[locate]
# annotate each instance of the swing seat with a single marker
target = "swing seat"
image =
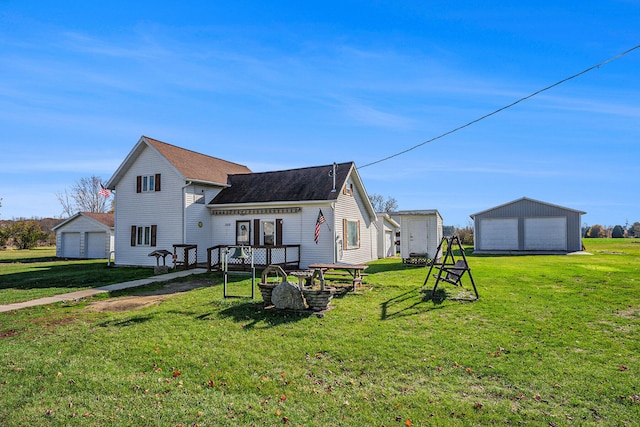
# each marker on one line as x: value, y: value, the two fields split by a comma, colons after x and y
x: 455, y: 272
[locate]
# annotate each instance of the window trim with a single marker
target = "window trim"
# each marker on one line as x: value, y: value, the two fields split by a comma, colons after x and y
x: 346, y: 234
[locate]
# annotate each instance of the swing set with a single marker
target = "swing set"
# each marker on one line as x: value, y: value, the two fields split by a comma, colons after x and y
x: 450, y: 270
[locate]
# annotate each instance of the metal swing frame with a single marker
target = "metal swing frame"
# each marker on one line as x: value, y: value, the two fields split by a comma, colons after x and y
x: 450, y: 270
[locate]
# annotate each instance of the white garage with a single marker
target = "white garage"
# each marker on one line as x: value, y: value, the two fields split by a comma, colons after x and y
x: 527, y: 226
x: 85, y: 235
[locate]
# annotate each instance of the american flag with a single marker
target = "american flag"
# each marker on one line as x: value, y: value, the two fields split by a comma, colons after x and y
x: 104, y: 191
x: 319, y: 222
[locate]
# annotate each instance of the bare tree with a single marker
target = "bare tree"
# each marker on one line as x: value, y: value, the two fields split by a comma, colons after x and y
x: 381, y: 205
x: 84, y: 196
x: 68, y: 207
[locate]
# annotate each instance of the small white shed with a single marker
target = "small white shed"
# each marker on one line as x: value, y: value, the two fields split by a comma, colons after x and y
x: 420, y: 234
x: 387, y: 229
x: 85, y: 235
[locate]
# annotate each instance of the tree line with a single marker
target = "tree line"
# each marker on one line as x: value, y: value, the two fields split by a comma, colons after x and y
x: 615, y: 232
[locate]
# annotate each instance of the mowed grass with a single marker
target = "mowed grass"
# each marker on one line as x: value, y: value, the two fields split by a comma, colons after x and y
x: 553, y: 340
x: 37, y: 273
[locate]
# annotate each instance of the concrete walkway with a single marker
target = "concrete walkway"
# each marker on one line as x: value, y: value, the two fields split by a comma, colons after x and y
x: 72, y: 296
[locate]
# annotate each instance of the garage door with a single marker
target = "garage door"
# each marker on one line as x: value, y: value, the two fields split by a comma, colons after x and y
x: 71, y: 245
x: 548, y: 234
x: 96, y: 244
x: 499, y: 234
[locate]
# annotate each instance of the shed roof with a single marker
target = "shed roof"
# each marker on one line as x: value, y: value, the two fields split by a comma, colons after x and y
x: 293, y: 185
x: 522, y: 199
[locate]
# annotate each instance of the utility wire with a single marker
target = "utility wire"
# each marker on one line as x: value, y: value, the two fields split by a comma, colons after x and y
x: 503, y: 108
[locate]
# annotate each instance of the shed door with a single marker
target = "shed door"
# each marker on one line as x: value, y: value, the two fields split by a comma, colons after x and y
x: 417, y: 237
x: 96, y: 245
x: 71, y: 245
x: 548, y: 234
x: 499, y: 234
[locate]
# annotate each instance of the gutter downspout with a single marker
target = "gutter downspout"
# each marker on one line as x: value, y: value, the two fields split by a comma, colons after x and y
x: 184, y: 212
x: 335, y: 235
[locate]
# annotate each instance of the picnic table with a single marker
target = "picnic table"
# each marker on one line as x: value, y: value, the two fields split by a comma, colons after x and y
x: 353, y: 271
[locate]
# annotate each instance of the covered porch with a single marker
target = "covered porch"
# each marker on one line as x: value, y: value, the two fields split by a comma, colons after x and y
x: 286, y: 256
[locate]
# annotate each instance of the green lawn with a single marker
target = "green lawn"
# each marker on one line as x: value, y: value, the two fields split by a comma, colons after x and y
x: 37, y: 273
x: 553, y: 341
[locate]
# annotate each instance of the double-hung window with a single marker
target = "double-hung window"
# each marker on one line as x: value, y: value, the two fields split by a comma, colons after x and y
x: 148, y: 183
x: 351, y: 230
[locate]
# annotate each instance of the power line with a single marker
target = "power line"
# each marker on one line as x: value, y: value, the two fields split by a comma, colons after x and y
x: 503, y: 108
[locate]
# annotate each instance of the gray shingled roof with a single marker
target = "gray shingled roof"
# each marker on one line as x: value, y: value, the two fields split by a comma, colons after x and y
x: 305, y: 184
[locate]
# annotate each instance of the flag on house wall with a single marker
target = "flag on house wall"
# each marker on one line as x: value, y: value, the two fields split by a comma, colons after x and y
x: 319, y: 222
x: 104, y: 191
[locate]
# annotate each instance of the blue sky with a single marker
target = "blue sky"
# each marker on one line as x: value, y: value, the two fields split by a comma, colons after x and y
x: 278, y: 85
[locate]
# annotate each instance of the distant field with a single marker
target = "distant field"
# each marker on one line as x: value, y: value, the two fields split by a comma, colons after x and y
x: 552, y: 341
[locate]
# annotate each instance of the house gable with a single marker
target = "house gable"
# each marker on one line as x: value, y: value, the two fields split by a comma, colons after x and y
x: 187, y: 164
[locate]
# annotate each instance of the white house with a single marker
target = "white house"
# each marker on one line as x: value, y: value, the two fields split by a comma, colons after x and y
x: 160, y: 193
x: 283, y: 207
x: 85, y: 235
x: 387, y: 229
x: 166, y: 196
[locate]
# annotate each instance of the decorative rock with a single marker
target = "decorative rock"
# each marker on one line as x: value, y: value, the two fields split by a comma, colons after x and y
x: 287, y: 295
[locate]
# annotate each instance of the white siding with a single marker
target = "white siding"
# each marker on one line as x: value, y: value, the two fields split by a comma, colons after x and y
x: 352, y: 208
x: 163, y: 208
x: 198, y: 223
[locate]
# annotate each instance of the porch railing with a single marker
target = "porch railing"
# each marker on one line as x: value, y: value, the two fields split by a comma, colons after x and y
x: 185, y: 256
x: 286, y: 256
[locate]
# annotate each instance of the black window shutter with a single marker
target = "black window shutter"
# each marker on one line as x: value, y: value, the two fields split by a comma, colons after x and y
x: 278, y: 231
x: 157, y: 182
x: 138, y: 184
x: 133, y: 235
x: 256, y: 232
x: 154, y: 232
